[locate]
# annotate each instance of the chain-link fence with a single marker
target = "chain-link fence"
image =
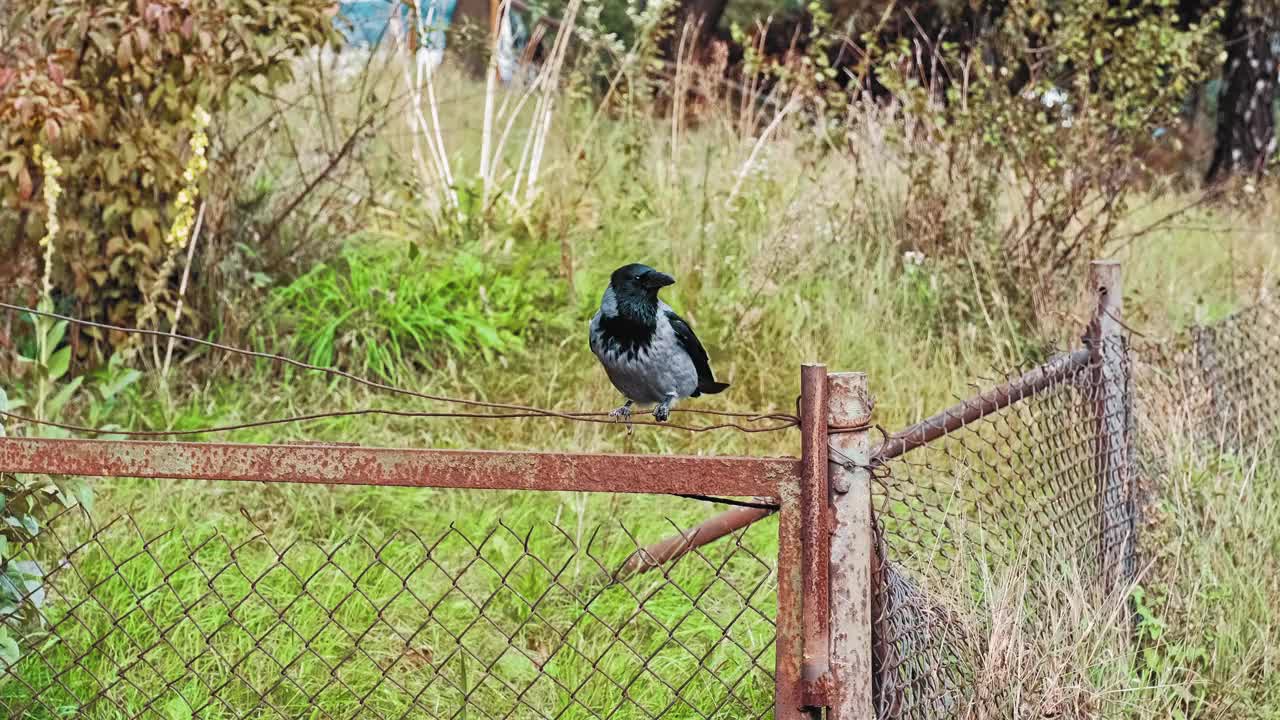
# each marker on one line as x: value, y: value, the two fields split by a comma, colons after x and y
x: 1227, y: 378
x: 1040, y: 486
x: 119, y: 613
x: 498, y: 621
x: 1043, y: 478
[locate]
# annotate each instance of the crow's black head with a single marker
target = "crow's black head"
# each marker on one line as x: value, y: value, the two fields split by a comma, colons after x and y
x: 638, y: 281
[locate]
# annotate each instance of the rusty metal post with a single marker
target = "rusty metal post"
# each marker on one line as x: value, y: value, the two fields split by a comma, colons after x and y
x: 803, y: 562
x: 1107, y: 344
x: 815, y: 510
x: 789, y: 699
x: 849, y: 415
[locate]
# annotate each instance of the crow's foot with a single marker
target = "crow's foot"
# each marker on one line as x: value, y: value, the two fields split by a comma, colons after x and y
x: 662, y: 412
x: 623, y: 414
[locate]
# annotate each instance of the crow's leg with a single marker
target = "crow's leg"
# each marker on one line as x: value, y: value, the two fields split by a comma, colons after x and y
x: 622, y: 414
x: 663, y: 411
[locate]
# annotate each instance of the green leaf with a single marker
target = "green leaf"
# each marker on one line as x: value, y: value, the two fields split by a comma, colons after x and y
x: 488, y: 337
x: 56, y: 333
x: 84, y: 495
x: 9, y: 653
x: 59, y: 363
x: 115, y: 378
x: 56, y: 403
x: 177, y: 709
x: 143, y: 220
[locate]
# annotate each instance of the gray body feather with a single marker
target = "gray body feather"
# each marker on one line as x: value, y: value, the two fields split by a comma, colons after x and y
x: 661, y: 371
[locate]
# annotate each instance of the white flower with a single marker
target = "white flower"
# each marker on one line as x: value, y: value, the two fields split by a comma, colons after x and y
x: 913, y: 258
x: 1054, y: 96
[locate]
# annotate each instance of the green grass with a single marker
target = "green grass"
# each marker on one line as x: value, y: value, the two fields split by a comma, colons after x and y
x: 379, y: 310
x: 1213, y: 588
x: 803, y: 265
x: 390, y: 595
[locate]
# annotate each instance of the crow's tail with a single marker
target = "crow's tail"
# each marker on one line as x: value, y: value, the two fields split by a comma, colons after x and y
x: 713, y: 387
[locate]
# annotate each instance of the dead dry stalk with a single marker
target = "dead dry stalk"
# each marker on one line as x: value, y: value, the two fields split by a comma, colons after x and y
x: 182, y: 291
x: 417, y: 72
x: 548, y: 83
x: 760, y: 142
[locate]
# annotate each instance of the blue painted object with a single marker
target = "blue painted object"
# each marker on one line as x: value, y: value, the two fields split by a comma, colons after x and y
x: 364, y: 22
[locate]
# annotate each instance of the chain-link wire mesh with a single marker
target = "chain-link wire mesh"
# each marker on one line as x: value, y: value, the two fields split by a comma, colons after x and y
x: 1049, y: 487
x: 1219, y: 382
x: 253, y: 621
x: 1042, y: 486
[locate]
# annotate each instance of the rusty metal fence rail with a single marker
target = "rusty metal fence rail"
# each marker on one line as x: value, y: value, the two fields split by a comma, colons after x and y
x: 862, y: 595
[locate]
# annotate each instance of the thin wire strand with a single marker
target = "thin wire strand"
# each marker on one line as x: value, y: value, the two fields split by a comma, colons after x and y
x: 513, y: 410
x: 354, y: 413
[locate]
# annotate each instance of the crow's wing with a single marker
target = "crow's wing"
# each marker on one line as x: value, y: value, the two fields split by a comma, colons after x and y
x: 689, y: 342
x: 593, y: 334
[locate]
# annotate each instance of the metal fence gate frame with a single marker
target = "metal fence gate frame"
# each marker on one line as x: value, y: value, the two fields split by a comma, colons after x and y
x: 815, y: 668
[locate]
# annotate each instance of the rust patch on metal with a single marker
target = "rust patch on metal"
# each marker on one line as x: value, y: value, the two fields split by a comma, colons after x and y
x: 790, y: 701
x: 345, y: 465
x: 849, y: 694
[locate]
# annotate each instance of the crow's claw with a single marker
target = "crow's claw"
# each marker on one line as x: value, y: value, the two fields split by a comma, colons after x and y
x: 662, y: 412
x: 623, y: 414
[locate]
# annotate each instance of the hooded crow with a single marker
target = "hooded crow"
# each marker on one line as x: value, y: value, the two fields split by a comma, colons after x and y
x: 649, y: 352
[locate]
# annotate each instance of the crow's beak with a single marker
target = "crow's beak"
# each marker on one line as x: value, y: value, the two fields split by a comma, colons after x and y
x: 655, y: 280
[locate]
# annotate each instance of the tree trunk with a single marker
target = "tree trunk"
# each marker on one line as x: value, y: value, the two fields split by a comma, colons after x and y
x: 1246, y: 104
